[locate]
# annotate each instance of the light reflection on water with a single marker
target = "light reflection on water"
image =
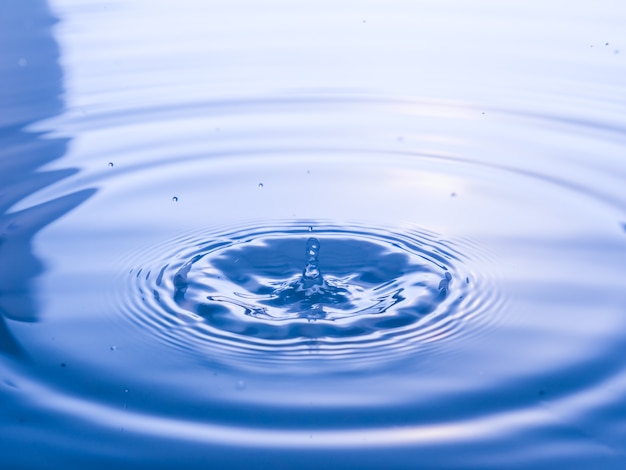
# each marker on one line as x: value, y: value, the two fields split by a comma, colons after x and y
x: 163, y: 168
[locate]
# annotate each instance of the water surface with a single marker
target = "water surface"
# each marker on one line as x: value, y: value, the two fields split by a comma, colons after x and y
x: 312, y: 235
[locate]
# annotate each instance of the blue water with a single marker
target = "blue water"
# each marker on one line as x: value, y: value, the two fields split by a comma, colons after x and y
x: 312, y: 234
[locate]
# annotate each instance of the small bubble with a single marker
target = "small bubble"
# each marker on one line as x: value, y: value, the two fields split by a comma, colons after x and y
x: 125, y: 390
x: 260, y: 185
x: 113, y: 348
x: 240, y: 385
x: 110, y: 164
x: 310, y: 228
x: 175, y: 199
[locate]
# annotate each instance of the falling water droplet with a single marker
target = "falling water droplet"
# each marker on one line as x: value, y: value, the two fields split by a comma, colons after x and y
x: 310, y: 228
x: 175, y: 199
x: 311, y: 273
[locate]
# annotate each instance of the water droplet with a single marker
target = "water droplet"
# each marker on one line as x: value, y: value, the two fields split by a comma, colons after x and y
x: 310, y: 228
x: 260, y: 185
x: 110, y: 164
x: 606, y: 43
x: 175, y: 199
x: 452, y: 194
x: 113, y: 348
x: 311, y: 273
x: 240, y: 385
x: 125, y: 390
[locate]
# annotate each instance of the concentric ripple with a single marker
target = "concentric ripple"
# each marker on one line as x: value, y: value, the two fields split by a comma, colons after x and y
x: 276, y: 295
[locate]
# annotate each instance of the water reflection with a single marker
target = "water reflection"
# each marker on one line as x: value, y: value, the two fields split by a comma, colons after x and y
x: 30, y: 90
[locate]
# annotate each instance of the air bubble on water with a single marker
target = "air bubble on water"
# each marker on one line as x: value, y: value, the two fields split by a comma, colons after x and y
x: 175, y: 199
x: 110, y: 164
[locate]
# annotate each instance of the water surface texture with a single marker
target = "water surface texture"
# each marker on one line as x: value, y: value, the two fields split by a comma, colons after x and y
x: 312, y: 234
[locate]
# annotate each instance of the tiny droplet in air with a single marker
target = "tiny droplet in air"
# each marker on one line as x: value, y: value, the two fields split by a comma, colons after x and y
x: 175, y: 199
x: 260, y: 185
x: 310, y: 228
